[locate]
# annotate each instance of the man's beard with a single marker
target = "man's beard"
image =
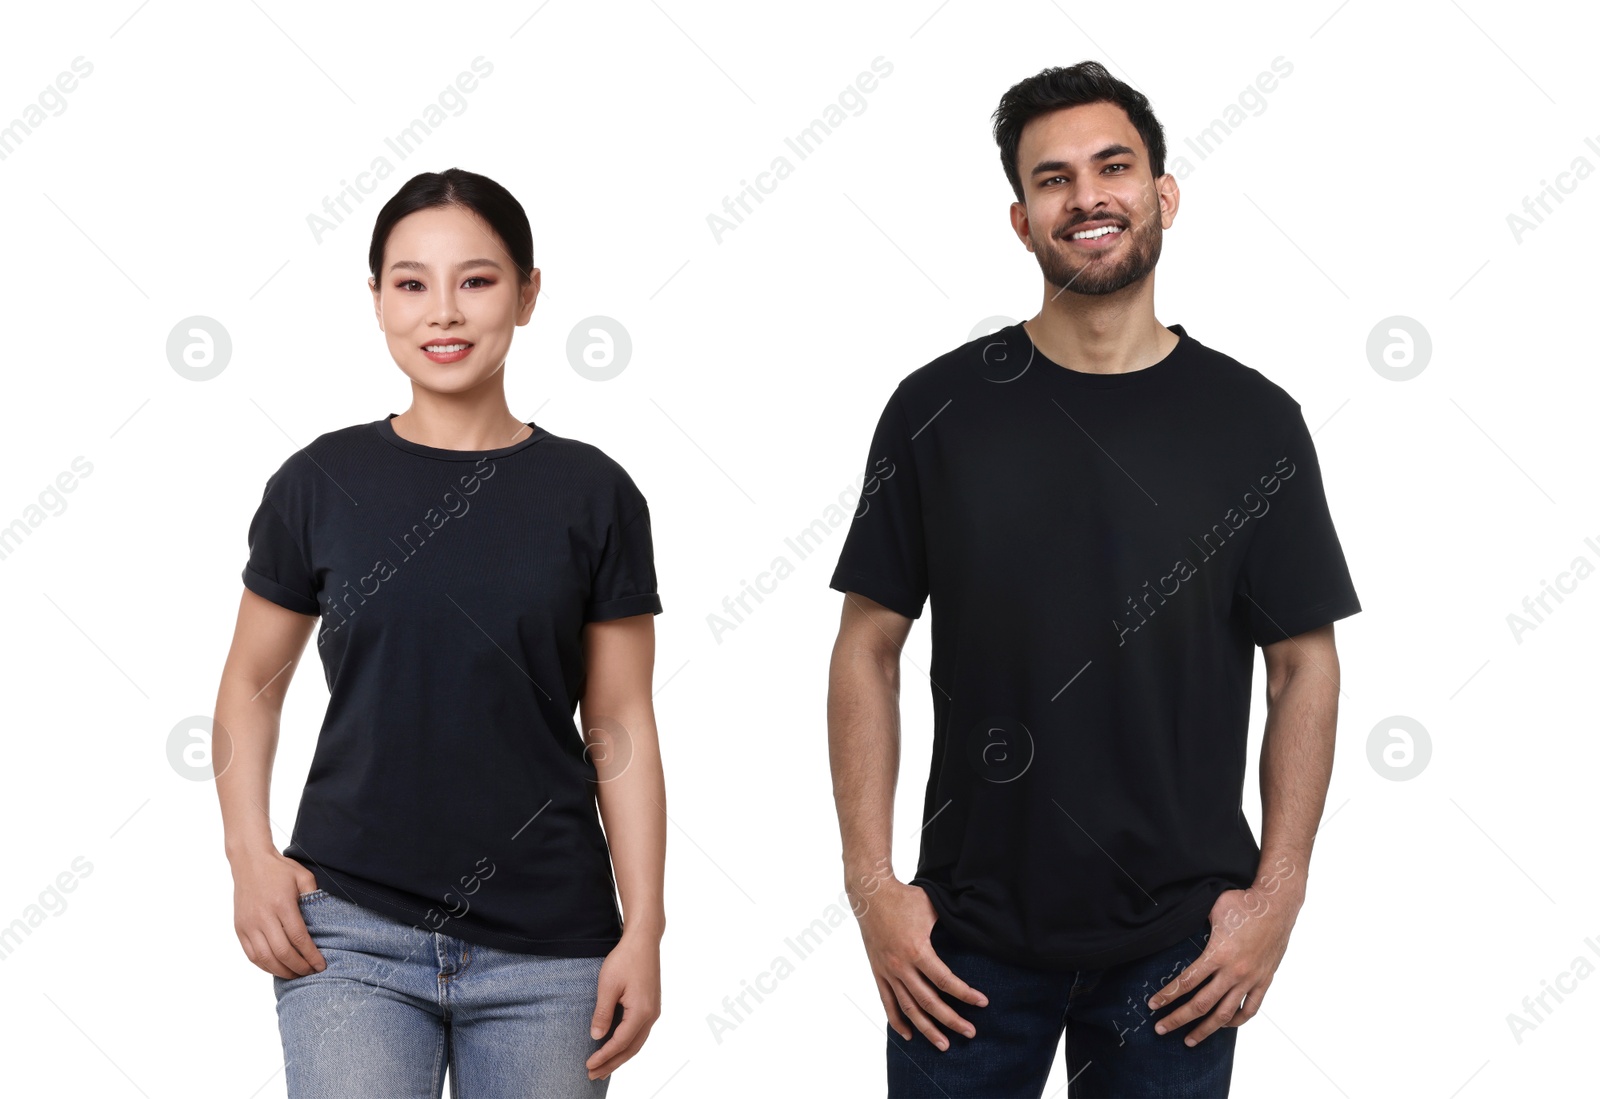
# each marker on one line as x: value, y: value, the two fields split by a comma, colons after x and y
x: 1095, y: 274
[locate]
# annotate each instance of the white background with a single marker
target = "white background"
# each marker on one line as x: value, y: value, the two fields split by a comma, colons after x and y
x: 1376, y: 182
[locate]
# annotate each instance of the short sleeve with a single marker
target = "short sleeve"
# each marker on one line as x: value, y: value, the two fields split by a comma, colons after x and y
x: 624, y: 582
x: 884, y: 556
x: 277, y: 568
x: 1294, y: 577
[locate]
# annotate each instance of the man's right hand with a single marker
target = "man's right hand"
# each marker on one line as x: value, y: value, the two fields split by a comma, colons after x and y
x: 895, y: 929
x: 266, y: 915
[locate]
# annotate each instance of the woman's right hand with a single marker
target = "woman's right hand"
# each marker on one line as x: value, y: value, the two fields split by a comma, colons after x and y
x: 266, y: 915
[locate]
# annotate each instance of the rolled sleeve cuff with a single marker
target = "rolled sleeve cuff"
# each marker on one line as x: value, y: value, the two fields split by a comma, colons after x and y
x: 644, y: 603
x: 275, y: 592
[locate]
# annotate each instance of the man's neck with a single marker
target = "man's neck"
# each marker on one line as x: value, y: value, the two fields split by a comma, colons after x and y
x: 1098, y: 341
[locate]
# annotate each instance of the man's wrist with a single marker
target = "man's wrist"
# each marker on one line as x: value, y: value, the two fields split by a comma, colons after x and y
x: 864, y: 877
x: 1282, y: 876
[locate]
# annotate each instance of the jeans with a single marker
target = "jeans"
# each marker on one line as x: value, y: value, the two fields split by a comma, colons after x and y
x: 397, y: 1004
x: 1112, y: 1047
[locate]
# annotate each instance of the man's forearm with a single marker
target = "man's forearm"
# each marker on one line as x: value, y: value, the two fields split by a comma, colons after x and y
x: 864, y: 756
x: 1296, y: 763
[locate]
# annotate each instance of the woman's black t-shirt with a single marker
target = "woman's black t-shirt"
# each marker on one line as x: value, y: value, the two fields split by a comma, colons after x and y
x: 450, y: 787
x: 1102, y: 553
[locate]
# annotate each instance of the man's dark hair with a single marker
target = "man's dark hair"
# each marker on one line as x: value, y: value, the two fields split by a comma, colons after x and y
x: 1055, y: 88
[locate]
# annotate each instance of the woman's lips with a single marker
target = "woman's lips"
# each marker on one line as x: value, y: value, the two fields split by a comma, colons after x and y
x: 438, y: 356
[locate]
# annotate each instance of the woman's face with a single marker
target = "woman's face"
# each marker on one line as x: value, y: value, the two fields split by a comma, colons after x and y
x: 447, y: 281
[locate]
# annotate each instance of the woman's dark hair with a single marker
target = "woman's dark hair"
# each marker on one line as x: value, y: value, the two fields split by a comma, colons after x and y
x: 1055, y: 88
x: 458, y: 187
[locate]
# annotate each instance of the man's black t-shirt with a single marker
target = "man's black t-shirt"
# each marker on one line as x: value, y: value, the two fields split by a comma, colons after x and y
x: 450, y: 786
x: 1102, y: 552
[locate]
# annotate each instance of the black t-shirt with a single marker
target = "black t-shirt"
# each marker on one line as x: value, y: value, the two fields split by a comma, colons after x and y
x: 450, y: 787
x: 1101, y: 553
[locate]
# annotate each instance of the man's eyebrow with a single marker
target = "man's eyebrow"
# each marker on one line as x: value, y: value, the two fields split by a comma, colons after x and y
x: 1104, y: 154
x: 413, y: 265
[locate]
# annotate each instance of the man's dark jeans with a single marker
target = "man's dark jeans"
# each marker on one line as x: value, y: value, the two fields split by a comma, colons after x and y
x: 1112, y: 1047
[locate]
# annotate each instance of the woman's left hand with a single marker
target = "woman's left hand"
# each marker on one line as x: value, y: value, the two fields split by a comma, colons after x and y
x: 630, y: 978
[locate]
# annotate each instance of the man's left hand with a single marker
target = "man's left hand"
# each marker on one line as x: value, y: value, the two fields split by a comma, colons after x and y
x: 1249, y: 934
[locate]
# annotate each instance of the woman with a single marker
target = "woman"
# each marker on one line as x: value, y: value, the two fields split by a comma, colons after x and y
x: 447, y: 898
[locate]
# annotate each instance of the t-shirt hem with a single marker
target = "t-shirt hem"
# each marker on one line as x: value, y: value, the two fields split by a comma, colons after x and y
x: 1190, y: 915
x: 361, y: 892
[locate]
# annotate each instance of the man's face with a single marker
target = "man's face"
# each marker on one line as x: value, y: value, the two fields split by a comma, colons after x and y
x: 1083, y: 168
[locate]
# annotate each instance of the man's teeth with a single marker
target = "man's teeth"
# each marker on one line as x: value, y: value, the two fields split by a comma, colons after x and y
x: 1090, y: 234
x: 446, y: 348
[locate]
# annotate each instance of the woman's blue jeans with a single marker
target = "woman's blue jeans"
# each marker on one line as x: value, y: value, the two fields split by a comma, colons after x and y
x: 1112, y: 1047
x: 398, y: 1004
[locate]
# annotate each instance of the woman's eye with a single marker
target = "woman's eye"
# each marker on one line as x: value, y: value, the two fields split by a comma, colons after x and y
x: 480, y: 278
x: 408, y: 284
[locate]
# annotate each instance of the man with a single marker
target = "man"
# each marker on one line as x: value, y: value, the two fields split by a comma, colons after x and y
x: 1107, y: 516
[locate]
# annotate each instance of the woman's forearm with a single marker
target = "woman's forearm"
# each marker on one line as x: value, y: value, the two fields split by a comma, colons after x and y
x: 633, y: 807
x: 244, y: 742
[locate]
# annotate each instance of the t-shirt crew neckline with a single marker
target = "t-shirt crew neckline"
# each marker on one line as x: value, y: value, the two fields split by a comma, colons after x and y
x: 1172, y: 363
x: 387, y: 432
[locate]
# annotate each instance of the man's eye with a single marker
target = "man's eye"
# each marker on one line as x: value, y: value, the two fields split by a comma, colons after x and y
x: 1111, y: 166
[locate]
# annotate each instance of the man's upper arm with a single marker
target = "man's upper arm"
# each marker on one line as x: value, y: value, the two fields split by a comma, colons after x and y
x: 884, y: 558
x: 1312, y: 652
x: 867, y: 625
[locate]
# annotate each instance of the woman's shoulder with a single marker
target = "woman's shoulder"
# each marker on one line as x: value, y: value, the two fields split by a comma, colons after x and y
x: 323, y: 451
x: 587, y: 463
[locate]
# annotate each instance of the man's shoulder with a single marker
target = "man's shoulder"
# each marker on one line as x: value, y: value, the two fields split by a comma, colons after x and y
x: 1223, y: 372
x: 988, y: 357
